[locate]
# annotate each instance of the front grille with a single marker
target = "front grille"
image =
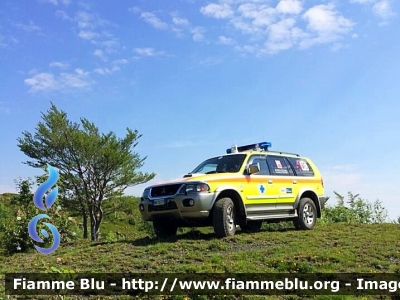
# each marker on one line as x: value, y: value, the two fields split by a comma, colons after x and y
x: 165, y: 190
x: 168, y: 206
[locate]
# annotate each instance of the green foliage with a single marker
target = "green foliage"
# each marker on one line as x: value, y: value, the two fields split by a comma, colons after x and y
x: 358, y: 211
x: 4, y: 216
x: 16, y: 237
x: 15, y: 233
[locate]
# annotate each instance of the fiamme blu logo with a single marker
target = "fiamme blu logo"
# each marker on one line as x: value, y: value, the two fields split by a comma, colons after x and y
x: 44, y: 205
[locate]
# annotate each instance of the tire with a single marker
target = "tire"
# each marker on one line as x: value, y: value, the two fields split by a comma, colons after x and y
x: 251, y: 226
x: 307, y: 215
x: 164, y: 228
x: 224, y: 218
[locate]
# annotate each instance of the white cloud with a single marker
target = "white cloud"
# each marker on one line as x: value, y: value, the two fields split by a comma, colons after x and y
x: 154, y: 21
x: 289, y: 7
x: 107, y: 71
x: 198, y: 34
x: 253, y: 18
x: 63, y: 15
x: 180, y: 26
x: 363, y: 1
x: 110, y: 45
x: 180, y: 21
x: 148, y: 52
x: 56, y: 2
x: 324, y: 19
x: 135, y: 9
x: 42, y: 82
x: 86, y: 20
x: 325, y: 25
x: 381, y: 8
x: 49, y: 82
x: 114, y: 67
x: 58, y: 64
x: 209, y: 61
x: 30, y: 27
x: 219, y: 11
x: 89, y: 26
x: 225, y: 40
x: 271, y: 29
x: 122, y: 61
x: 283, y: 35
x: 88, y: 35
x: 100, y: 54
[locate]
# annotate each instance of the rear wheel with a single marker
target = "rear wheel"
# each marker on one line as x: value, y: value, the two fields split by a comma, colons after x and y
x: 224, y: 218
x: 164, y: 228
x: 252, y: 226
x: 307, y: 215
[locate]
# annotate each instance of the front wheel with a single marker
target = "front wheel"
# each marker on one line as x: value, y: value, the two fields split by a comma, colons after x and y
x: 164, y: 229
x: 224, y: 218
x: 307, y: 215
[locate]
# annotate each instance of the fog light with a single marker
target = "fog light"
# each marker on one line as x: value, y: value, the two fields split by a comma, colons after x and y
x: 188, y: 202
x: 141, y: 207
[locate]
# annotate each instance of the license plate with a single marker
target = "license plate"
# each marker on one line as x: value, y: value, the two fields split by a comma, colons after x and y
x: 159, y: 202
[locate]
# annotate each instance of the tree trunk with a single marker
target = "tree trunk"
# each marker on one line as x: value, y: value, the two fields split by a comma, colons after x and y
x: 96, y: 216
x: 85, y: 224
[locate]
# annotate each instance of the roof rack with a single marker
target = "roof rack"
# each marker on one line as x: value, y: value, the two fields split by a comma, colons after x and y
x: 281, y: 152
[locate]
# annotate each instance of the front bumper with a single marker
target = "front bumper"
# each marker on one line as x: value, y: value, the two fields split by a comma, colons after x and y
x: 177, y: 207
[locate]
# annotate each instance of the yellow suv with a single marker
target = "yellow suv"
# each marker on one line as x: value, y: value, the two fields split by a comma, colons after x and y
x: 245, y: 186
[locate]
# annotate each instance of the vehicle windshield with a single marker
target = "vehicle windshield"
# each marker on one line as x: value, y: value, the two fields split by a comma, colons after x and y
x: 221, y: 164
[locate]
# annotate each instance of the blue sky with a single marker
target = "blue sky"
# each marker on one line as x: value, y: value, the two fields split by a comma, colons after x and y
x: 315, y: 77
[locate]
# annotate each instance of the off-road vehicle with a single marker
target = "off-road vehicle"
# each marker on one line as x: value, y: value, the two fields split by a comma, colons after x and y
x: 246, y: 186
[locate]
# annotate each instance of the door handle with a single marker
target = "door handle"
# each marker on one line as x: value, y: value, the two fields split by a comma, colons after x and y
x: 270, y: 181
x: 294, y: 181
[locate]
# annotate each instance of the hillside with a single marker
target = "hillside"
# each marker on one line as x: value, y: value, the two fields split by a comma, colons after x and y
x: 327, y: 248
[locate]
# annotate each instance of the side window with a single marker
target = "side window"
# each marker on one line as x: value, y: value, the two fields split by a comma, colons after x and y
x: 262, y: 162
x: 301, y: 166
x: 279, y: 166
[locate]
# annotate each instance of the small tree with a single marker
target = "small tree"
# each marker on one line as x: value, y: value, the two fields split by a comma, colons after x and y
x: 93, y: 167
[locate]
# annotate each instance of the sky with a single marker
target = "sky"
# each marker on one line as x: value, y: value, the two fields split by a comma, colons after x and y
x: 314, y: 77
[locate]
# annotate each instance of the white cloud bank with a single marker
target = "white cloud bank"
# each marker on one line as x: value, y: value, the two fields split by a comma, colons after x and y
x: 288, y: 24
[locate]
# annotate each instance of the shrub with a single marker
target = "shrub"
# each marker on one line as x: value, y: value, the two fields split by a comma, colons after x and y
x: 358, y: 211
x: 16, y: 237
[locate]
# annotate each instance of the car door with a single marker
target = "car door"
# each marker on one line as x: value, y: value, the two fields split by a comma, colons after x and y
x: 261, y: 193
x: 284, y: 181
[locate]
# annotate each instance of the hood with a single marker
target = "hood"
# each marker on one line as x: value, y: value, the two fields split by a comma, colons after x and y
x: 196, y: 177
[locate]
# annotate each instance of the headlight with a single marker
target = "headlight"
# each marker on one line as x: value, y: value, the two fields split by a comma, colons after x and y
x: 146, y: 193
x: 196, y: 188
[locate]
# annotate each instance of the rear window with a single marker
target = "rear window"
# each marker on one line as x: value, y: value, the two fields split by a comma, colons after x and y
x: 279, y: 166
x: 301, y: 166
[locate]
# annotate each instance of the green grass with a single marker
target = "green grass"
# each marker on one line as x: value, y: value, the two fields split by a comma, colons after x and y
x: 327, y: 248
x: 125, y: 247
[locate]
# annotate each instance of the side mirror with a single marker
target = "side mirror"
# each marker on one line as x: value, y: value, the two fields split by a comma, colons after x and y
x: 253, y: 168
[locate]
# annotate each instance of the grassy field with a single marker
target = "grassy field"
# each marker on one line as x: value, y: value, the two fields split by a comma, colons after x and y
x: 127, y: 247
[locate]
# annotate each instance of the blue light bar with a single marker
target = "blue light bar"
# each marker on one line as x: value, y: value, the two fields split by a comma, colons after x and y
x: 259, y: 146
